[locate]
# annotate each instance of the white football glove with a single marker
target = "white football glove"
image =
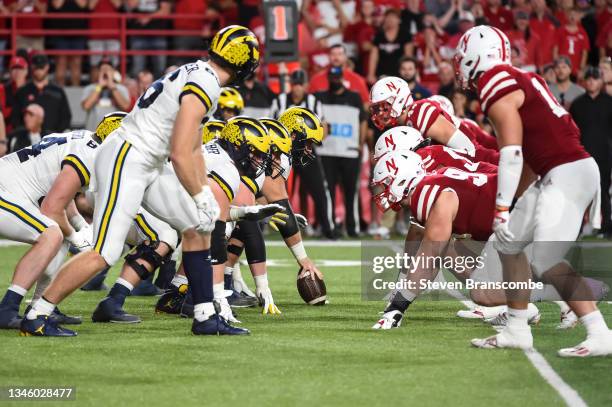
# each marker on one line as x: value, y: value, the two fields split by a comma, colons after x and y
x: 208, y: 209
x: 225, y: 311
x: 267, y: 302
x: 500, y: 226
x: 254, y: 212
x: 82, y: 240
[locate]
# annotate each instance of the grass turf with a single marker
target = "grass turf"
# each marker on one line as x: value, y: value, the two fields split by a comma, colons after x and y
x: 307, y: 356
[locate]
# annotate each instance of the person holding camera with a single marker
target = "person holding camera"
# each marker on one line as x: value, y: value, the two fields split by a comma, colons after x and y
x: 104, y: 96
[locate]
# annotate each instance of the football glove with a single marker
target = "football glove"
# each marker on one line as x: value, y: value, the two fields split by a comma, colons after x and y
x: 267, y: 302
x: 280, y: 218
x: 82, y: 240
x: 254, y: 212
x: 208, y: 209
x: 225, y: 311
x: 500, y: 225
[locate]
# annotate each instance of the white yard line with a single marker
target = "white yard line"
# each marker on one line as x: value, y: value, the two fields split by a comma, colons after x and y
x: 567, y: 393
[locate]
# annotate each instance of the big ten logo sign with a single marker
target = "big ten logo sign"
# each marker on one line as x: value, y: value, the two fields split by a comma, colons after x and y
x: 343, y: 130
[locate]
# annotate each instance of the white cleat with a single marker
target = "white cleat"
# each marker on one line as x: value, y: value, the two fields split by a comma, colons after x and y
x: 595, y: 345
x: 507, y: 338
x: 389, y: 320
x: 499, y: 322
x: 568, y: 320
x: 480, y: 312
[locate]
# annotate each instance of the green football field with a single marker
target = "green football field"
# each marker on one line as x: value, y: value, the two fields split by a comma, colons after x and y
x: 308, y: 356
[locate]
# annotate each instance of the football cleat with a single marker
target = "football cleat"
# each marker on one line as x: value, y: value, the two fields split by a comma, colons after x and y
x: 480, y: 312
x: 9, y: 318
x: 241, y: 300
x: 43, y: 326
x: 499, y: 322
x: 109, y: 311
x: 507, y: 338
x: 187, y: 307
x: 171, y: 301
x: 389, y: 320
x: 146, y: 288
x: 568, y: 320
x: 594, y: 345
x: 97, y: 282
x: 216, y: 325
x: 62, y: 319
x: 225, y: 311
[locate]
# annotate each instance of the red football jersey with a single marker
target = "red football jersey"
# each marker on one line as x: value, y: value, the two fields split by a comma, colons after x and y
x: 476, y: 193
x: 477, y: 134
x: 422, y: 114
x: 437, y: 156
x: 550, y: 136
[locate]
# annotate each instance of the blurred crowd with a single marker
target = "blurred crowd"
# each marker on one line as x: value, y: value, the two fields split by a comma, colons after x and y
x: 344, y: 47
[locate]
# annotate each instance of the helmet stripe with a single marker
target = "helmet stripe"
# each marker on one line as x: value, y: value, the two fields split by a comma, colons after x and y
x: 222, y: 40
x: 503, y: 44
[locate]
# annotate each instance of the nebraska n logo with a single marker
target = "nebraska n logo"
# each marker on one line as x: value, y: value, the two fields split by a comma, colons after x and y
x: 391, y: 167
x: 392, y: 86
x: 464, y: 41
x: 389, y: 142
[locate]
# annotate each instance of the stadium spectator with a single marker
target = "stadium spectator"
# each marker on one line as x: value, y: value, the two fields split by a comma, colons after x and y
x: 104, y: 42
x: 565, y: 90
x: 31, y: 132
x: 466, y: 21
x: 409, y: 72
x: 258, y: 97
x: 438, y: 7
x: 352, y: 80
x: 390, y: 44
x: 18, y: 75
x: 571, y: 40
x: 460, y: 103
x: 548, y: 73
x: 68, y: 42
x: 545, y: 26
x: 446, y: 76
x: 29, y: 41
x: 51, y: 97
x: 341, y: 149
x: 498, y: 16
x: 592, y: 112
x: 605, y: 66
x: 154, y: 8
x: 105, y: 96
x: 429, y: 43
x: 145, y: 79
x: 191, y: 42
x: 526, y: 41
x: 312, y: 178
x: 563, y: 8
x: 412, y: 17
x: 4, y: 147
x: 361, y: 33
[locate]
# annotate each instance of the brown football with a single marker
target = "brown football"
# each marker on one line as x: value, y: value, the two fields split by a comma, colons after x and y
x: 313, y: 292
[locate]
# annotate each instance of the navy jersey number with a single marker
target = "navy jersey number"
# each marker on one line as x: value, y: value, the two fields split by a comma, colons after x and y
x: 25, y: 153
x: 155, y: 90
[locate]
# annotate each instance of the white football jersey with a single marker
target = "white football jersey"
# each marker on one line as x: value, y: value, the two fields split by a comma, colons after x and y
x: 148, y: 127
x: 31, y: 171
x: 285, y: 164
x: 221, y: 168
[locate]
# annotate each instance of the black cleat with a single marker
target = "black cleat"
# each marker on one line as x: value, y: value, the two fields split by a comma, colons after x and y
x: 109, y: 311
x: 146, y: 289
x: 62, y: 319
x: 187, y: 307
x: 241, y: 300
x: 171, y: 301
x: 215, y: 325
x: 43, y: 326
x: 9, y: 318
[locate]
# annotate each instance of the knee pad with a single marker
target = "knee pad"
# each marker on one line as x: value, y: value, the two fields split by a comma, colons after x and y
x: 235, y: 249
x: 218, y: 244
x: 254, y: 244
x: 291, y: 227
x: 144, y: 251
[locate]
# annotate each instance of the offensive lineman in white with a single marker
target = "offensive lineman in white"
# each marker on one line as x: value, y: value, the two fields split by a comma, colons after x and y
x: 164, y: 124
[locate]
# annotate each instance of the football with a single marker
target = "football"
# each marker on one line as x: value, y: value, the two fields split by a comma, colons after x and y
x: 312, y: 291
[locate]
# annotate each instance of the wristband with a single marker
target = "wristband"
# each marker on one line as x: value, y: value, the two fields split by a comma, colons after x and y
x: 78, y: 222
x: 299, y: 252
x: 201, y: 197
x: 236, y: 212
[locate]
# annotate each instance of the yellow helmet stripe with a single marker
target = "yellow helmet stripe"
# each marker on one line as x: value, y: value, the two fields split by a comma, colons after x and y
x: 74, y: 161
x: 222, y: 41
x: 191, y: 87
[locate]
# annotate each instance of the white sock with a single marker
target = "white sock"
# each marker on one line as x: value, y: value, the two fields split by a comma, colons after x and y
x: 18, y: 289
x: 40, y: 307
x: 517, y: 317
x: 203, y: 311
x: 124, y: 283
x: 179, y: 280
x: 563, y: 305
x: 261, y: 282
x: 219, y: 291
x: 228, y: 271
x: 594, y: 323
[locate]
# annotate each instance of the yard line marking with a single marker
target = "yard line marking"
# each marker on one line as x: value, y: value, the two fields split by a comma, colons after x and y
x: 567, y: 393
